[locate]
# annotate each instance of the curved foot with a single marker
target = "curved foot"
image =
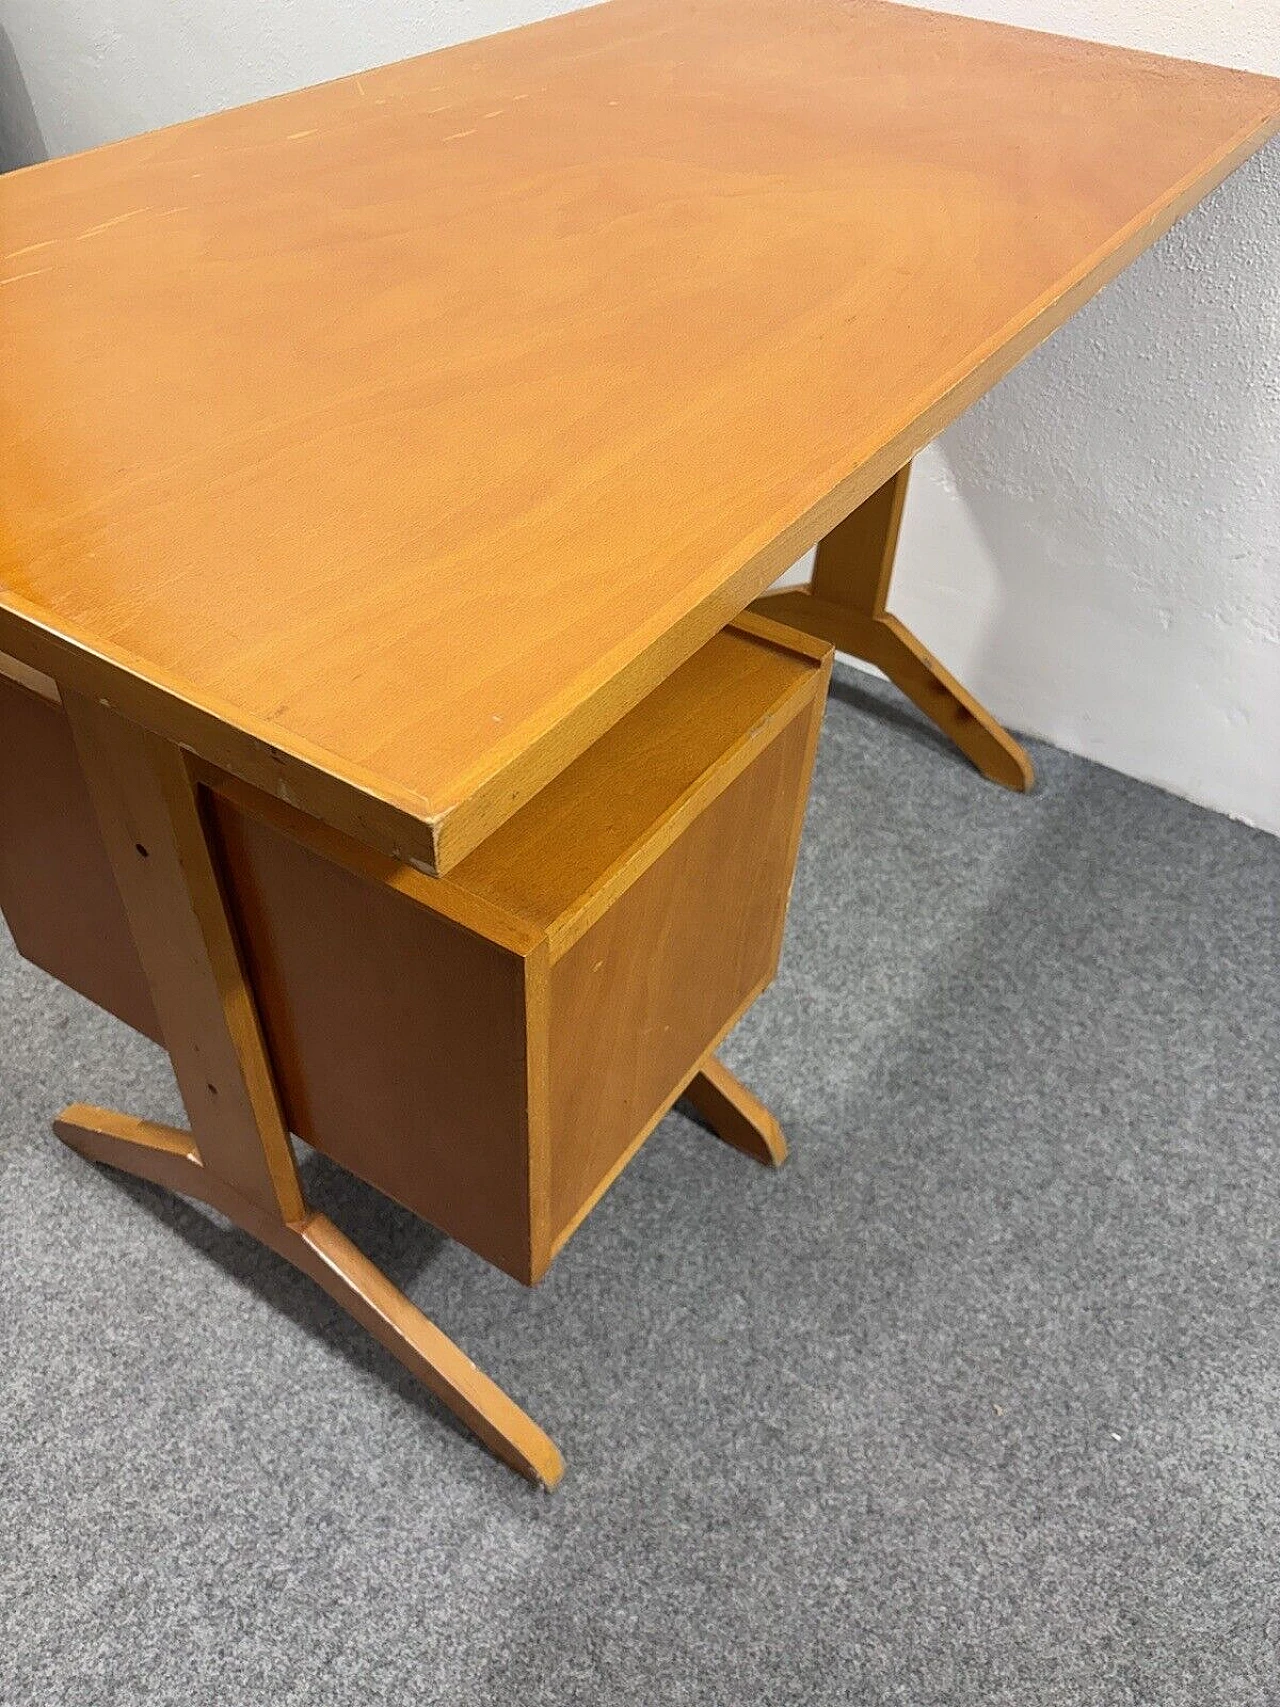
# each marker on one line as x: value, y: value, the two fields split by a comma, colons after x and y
x: 313, y: 1244
x: 736, y: 1114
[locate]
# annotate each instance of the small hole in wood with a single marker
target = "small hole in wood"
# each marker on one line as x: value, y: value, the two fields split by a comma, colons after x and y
x: 212, y: 1090
x: 142, y: 850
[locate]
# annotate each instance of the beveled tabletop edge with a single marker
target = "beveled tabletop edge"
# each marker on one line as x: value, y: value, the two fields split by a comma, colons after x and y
x: 727, y: 592
x: 296, y: 772
x: 435, y: 836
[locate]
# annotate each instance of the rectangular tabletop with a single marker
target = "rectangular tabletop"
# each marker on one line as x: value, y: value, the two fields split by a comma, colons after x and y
x: 385, y: 442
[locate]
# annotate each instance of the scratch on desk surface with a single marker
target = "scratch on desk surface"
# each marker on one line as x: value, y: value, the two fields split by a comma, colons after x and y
x: 34, y: 273
x: 458, y: 133
x: 30, y: 249
x: 108, y: 223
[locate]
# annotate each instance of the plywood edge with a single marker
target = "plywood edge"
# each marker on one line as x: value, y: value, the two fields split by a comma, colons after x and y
x: 834, y: 623
x: 537, y: 1058
x: 782, y: 638
x: 577, y: 919
x: 470, y: 912
x: 540, y: 749
x: 401, y: 824
x: 816, y: 710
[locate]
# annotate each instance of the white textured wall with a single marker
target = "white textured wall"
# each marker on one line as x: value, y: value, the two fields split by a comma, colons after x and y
x: 1095, y: 549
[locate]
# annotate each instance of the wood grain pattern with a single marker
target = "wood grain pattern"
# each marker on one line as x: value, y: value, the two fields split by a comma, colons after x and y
x: 238, y: 1155
x: 489, y: 1057
x: 853, y: 565
x: 497, y: 1088
x: 563, y: 860
x: 388, y: 441
x: 647, y: 992
x: 397, y: 1036
x: 155, y: 838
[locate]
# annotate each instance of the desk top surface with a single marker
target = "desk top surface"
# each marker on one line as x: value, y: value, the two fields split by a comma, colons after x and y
x: 388, y: 440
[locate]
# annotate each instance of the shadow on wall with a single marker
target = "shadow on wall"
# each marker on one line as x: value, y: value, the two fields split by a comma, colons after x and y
x: 1117, y: 495
x: 21, y: 143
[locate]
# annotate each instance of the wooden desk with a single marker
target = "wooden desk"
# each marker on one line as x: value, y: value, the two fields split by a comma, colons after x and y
x: 381, y: 446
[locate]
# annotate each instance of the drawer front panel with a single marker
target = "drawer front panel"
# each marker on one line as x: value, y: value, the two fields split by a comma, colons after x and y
x: 639, y: 1000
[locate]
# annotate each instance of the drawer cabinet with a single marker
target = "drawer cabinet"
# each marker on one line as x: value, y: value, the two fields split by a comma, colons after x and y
x: 490, y: 1047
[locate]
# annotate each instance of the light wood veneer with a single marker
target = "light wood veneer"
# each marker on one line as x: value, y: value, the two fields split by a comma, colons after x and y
x: 387, y: 441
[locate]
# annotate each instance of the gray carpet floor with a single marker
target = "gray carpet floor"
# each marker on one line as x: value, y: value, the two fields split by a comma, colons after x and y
x: 978, y: 1400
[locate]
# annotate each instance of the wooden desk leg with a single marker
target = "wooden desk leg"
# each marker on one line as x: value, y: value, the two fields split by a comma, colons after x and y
x: 736, y: 1114
x: 845, y: 603
x: 238, y: 1156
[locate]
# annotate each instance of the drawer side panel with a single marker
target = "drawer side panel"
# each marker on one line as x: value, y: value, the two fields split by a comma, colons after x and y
x: 397, y: 1036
